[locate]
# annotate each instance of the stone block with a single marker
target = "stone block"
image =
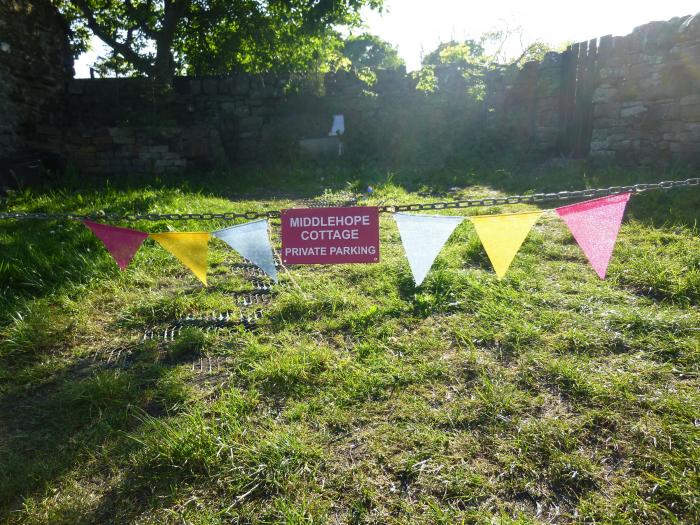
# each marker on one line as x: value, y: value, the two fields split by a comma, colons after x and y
x: 228, y: 107
x: 250, y: 124
x: 669, y: 126
x: 690, y: 113
x: 632, y: 110
x: 247, y: 150
x: 264, y: 92
x: 261, y: 111
x: 75, y: 88
x: 608, y: 110
x: 690, y: 100
x: 242, y: 84
x: 604, y: 94
x: 210, y: 86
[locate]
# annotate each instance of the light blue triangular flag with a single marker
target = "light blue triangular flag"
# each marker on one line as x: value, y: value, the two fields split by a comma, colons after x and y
x: 252, y: 241
x: 423, y: 236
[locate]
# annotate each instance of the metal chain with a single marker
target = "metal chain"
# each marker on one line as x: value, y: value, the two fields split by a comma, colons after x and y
x: 534, y: 198
x: 542, y: 197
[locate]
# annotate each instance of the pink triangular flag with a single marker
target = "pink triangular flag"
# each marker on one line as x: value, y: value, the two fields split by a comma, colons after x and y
x: 122, y: 243
x: 595, y: 225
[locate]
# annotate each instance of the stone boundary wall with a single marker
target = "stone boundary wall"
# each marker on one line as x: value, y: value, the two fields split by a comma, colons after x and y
x: 36, y: 66
x: 130, y: 125
x: 120, y: 125
x: 646, y: 106
x: 631, y: 100
x: 526, y: 103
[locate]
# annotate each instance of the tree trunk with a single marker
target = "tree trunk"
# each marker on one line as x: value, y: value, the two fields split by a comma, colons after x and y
x: 164, y: 67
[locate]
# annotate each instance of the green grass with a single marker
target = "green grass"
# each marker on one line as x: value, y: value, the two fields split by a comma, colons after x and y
x: 548, y: 396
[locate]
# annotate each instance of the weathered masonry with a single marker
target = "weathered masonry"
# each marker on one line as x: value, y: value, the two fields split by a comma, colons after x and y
x: 633, y: 100
x: 36, y: 67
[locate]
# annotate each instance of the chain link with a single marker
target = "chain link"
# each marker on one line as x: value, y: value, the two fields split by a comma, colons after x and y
x: 534, y: 198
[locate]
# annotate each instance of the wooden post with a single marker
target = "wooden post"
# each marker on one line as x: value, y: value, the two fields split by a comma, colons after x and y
x: 566, y: 98
x: 585, y: 100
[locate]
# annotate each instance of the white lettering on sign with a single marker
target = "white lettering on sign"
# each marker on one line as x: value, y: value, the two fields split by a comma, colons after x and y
x: 305, y: 251
x: 329, y: 222
x: 330, y: 235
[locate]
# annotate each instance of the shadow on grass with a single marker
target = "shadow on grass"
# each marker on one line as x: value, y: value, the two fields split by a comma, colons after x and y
x: 510, y: 175
x: 39, y: 258
x: 86, y: 410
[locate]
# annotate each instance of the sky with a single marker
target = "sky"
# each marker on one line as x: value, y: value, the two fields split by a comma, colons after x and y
x: 416, y: 27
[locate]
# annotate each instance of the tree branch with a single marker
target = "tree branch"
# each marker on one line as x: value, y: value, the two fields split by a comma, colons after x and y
x: 142, y: 25
x: 139, y: 63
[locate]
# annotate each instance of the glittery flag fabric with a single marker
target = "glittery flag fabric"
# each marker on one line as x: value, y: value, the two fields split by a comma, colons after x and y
x: 595, y: 225
x: 252, y: 241
x: 502, y: 236
x: 122, y: 243
x: 423, y: 236
x: 191, y: 248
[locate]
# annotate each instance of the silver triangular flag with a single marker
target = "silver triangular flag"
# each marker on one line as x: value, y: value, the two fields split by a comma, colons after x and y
x: 252, y: 241
x: 423, y: 236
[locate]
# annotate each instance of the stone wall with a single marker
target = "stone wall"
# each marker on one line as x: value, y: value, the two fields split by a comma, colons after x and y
x: 646, y: 107
x: 35, y: 67
x: 526, y: 102
x: 131, y: 125
x: 632, y: 99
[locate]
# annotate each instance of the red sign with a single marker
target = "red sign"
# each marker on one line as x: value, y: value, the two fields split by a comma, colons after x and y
x: 330, y: 235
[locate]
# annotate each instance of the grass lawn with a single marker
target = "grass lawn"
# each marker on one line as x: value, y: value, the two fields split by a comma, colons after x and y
x: 546, y: 397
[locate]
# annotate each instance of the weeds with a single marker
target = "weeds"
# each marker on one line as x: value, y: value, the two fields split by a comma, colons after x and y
x: 546, y: 397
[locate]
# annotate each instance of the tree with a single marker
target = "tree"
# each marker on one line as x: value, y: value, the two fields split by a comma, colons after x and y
x: 473, y: 59
x: 370, y: 51
x: 158, y: 38
x: 468, y: 59
x: 467, y: 53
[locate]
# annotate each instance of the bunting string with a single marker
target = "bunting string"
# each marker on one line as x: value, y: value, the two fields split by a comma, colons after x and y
x: 594, y: 224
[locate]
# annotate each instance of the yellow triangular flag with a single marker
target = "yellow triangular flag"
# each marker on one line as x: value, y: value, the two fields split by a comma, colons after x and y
x: 191, y: 248
x: 502, y: 236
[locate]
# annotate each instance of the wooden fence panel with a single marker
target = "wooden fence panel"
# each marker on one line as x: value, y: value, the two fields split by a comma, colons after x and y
x: 580, y: 78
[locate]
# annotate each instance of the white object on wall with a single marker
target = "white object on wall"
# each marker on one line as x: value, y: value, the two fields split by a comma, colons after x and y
x: 338, y: 127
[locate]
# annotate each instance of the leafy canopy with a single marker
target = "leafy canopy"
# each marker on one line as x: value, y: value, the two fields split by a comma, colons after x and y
x: 370, y: 51
x: 159, y: 38
x: 472, y: 59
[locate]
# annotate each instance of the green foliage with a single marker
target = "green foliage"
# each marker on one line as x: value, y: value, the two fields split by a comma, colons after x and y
x: 367, y: 51
x: 548, y: 395
x: 461, y: 67
x: 426, y: 81
x: 467, y: 53
x: 158, y: 39
x: 534, y: 52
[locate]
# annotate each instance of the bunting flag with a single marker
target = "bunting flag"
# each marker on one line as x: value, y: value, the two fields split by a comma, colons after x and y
x: 191, y: 248
x: 252, y: 241
x: 423, y: 236
x: 503, y: 235
x: 121, y: 243
x: 595, y: 225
